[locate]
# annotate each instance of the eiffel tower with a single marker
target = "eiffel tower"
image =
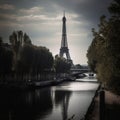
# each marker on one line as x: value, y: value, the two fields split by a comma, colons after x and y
x: 64, y: 45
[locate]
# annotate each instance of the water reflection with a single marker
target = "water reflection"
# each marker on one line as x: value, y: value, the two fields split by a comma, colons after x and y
x: 29, y: 105
x: 50, y: 103
x: 62, y: 98
x: 65, y: 105
x: 32, y: 105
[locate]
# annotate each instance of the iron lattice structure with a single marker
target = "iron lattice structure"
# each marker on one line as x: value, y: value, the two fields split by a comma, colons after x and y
x: 64, y: 45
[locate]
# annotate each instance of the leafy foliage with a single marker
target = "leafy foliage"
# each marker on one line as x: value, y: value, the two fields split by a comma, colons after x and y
x: 61, y: 65
x: 104, y: 51
x: 6, y: 60
x: 22, y: 59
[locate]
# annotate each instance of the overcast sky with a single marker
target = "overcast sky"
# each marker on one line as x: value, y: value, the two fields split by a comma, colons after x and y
x: 42, y: 21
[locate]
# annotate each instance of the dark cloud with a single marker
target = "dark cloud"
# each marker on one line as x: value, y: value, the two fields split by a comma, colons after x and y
x: 93, y: 9
x: 89, y: 10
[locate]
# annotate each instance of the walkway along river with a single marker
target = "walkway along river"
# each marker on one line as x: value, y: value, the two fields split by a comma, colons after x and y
x: 61, y: 102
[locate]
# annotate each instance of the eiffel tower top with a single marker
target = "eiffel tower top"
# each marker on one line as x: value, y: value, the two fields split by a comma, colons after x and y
x: 64, y: 18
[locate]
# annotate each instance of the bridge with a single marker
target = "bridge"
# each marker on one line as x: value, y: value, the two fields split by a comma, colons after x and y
x: 82, y: 70
x: 79, y: 72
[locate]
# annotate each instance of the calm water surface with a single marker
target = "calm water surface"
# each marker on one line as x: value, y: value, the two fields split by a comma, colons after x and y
x: 50, y: 103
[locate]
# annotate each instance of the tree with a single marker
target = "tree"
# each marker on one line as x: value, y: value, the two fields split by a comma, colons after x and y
x: 17, y: 40
x: 104, y: 51
x: 26, y: 39
x: 20, y: 37
x: 1, y: 41
x: 34, y: 60
x: 25, y: 60
x: 6, y: 60
x: 43, y: 60
x: 61, y: 65
x: 29, y: 60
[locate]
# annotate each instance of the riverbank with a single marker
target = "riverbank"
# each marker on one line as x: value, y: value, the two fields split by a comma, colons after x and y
x: 20, y: 85
x: 112, y: 107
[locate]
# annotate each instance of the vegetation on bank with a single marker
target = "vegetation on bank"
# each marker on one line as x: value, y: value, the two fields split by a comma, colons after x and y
x: 61, y: 65
x: 104, y: 52
x: 22, y: 61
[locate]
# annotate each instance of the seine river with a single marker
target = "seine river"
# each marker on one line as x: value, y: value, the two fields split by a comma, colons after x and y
x: 61, y: 102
